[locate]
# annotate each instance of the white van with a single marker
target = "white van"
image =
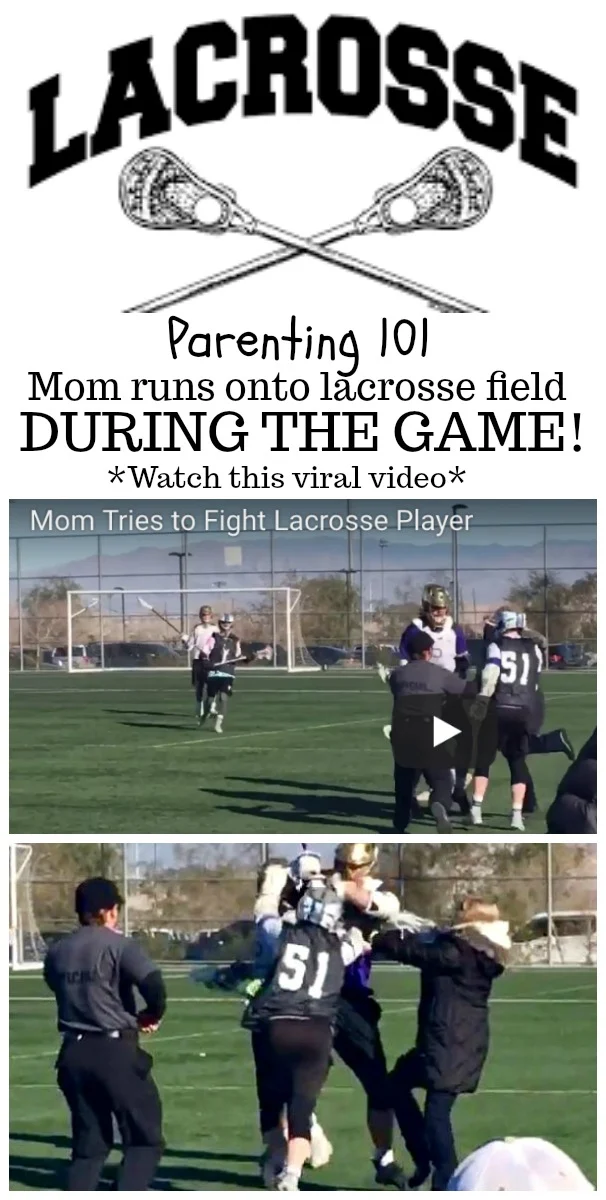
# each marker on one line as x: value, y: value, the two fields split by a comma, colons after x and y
x: 80, y: 657
x: 574, y: 939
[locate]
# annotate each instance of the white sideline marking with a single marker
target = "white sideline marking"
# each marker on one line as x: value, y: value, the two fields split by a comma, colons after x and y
x: 202, y: 740
x: 171, y: 1037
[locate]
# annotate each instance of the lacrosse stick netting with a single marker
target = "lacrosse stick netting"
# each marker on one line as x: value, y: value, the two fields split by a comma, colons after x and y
x: 157, y: 191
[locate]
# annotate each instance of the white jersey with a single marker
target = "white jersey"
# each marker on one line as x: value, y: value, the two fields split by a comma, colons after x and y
x: 200, y: 639
x: 444, y: 650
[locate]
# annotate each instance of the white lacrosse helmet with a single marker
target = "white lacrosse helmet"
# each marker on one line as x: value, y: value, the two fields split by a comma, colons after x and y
x: 320, y: 905
x: 508, y: 620
x: 304, y: 867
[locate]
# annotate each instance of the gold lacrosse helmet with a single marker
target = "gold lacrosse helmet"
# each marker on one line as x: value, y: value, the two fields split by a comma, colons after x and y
x: 356, y: 856
x: 435, y: 605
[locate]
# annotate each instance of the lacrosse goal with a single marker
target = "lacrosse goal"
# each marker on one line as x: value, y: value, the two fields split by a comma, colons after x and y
x: 26, y: 944
x: 124, y: 629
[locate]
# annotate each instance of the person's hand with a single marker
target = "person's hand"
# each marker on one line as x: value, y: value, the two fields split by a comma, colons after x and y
x: 147, y: 1024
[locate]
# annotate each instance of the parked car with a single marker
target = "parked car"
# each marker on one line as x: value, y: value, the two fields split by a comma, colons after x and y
x: 81, y: 656
x: 330, y: 656
x: 233, y: 943
x: 135, y: 654
x: 566, y: 654
x: 573, y: 937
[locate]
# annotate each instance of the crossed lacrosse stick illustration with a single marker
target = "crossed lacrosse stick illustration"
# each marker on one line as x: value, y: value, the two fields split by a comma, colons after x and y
x: 451, y: 191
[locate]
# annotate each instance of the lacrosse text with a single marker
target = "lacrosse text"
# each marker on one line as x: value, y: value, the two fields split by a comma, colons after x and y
x: 474, y: 89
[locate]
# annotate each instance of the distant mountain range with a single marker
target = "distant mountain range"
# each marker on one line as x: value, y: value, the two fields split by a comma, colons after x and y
x: 484, y: 569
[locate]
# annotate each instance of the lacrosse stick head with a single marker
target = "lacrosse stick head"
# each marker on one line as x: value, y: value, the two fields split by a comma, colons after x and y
x: 159, y: 191
x: 452, y: 191
x: 145, y: 604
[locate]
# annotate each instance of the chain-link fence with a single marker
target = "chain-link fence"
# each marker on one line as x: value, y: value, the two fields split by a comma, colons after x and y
x: 191, y: 901
x: 358, y: 588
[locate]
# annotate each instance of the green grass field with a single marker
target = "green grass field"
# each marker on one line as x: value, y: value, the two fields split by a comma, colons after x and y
x: 121, y: 753
x: 540, y: 1080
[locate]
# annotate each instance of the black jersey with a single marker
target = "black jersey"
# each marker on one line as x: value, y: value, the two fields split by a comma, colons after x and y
x: 520, y: 662
x: 223, y: 650
x: 307, y: 976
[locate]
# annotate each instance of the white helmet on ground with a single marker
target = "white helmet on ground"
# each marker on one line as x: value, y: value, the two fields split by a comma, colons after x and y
x: 525, y: 1164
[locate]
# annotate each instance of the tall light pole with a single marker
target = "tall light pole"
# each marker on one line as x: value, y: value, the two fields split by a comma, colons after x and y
x: 456, y: 509
x: 181, y: 555
x: 383, y: 544
x: 123, y: 606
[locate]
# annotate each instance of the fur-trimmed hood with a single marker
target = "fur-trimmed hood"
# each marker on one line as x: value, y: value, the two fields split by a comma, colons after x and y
x: 488, y: 937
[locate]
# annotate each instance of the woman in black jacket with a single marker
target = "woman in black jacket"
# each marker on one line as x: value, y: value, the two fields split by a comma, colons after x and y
x: 458, y: 967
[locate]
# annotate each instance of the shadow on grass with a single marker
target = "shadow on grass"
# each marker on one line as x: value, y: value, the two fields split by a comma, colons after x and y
x: 49, y: 1173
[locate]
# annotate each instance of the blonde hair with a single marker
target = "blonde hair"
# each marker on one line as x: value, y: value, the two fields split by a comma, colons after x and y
x: 471, y: 909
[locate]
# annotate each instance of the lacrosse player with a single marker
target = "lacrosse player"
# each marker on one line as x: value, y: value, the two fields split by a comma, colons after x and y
x: 511, y: 676
x: 224, y: 654
x: 198, y: 643
x: 272, y: 909
x: 292, y: 1020
x: 357, y: 1037
x: 556, y: 741
x: 449, y: 650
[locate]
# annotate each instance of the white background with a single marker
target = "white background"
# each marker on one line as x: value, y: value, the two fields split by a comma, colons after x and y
x: 75, y: 261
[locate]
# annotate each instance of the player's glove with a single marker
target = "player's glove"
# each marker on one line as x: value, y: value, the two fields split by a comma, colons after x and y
x: 478, y: 708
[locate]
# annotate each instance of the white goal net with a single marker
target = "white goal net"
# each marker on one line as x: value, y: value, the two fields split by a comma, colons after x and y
x: 27, y: 946
x: 124, y: 629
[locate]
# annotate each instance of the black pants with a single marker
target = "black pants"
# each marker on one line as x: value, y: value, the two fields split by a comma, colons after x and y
x: 292, y: 1058
x: 102, y: 1078
x: 358, y: 1043
x: 199, y: 677
x: 428, y: 1136
x: 405, y: 782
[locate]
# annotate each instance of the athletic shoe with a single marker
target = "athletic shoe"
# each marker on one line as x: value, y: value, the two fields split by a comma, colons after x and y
x: 219, y: 723
x: 287, y: 1182
x: 441, y: 817
x: 321, y: 1149
x: 391, y: 1175
x: 517, y: 822
x: 387, y: 732
x: 420, y: 1174
x: 271, y: 1169
x: 567, y: 745
x: 476, y: 814
x: 212, y: 712
x: 384, y: 672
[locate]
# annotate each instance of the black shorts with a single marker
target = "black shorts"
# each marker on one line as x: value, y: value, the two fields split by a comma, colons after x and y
x: 292, y: 1057
x: 219, y: 686
x: 513, y: 739
x: 358, y: 1043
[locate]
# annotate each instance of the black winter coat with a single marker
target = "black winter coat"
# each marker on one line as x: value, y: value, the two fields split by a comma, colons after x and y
x: 458, y: 969
x: 574, y: 809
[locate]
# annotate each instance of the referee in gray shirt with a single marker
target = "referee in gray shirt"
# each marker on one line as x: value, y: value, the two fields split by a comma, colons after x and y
x: 101, y: 1070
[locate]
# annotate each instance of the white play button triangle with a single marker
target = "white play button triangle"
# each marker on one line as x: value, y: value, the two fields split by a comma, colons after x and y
x: 443, y: 732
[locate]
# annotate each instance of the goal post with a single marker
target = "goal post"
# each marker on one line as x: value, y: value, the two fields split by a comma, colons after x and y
x: 26, y: 944
x: 125, y: 629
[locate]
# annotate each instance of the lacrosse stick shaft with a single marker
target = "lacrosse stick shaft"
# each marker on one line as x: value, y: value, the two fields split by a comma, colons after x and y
x: 166, y: 621
x: 368, y: 270
x: 241, y: 271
